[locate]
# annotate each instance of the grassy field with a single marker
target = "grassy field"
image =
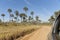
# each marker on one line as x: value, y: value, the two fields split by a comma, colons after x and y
x: 12, y: 32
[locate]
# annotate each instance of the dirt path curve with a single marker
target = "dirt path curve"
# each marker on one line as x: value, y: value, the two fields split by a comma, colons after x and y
x: 40, y: 34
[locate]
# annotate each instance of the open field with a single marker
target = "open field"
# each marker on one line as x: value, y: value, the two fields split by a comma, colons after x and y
x: 14, y: 32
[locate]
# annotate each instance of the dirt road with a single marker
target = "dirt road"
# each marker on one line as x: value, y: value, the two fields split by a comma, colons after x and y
x: 40, y: 34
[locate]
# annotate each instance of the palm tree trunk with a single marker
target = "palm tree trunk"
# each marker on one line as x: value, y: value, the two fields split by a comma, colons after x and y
x: 26, y: 17
x: 12, y: 19
x: 17, y: 20
x: 9, y: 18
x: 21, y: 19
x: 32, y: 18
x: 3, y: 19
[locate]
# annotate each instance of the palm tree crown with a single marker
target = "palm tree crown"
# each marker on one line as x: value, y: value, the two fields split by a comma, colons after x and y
x: 37, y: 18
x: 32, y: 13
x: 25, y: 9
x: 9, y: 10
x: 3, y: 14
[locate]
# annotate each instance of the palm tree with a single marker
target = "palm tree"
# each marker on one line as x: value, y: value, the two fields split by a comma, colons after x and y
x: 17, y: 14
x: 3, y: 15
x: 15, y: 18
x: 9, y: 10
x: 25, y: 9
x: 51, y: 20
x: 32, y: 13
x: 30, y: 18
x: 37, y: 18
x: 23, y: 16
x: 11, y: 15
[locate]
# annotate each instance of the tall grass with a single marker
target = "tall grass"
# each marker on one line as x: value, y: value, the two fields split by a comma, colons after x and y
x: 12, y: 32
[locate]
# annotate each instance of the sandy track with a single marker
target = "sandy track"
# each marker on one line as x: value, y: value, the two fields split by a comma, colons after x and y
x: 40, y: 34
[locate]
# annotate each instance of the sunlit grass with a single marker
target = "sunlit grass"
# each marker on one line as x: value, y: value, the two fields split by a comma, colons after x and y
x: 13, y: 32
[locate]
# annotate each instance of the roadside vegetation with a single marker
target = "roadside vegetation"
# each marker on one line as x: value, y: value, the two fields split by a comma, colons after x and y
x: 14, y: 32
x: 54, y: 16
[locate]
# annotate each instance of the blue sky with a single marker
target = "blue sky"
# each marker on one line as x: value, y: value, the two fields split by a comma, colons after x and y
x: 42, y: 8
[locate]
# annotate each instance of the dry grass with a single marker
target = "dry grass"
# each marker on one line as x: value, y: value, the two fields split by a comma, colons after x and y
x: 14, y: 32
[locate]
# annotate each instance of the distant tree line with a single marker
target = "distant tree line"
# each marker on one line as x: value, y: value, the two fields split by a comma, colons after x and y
x: 14, y: 17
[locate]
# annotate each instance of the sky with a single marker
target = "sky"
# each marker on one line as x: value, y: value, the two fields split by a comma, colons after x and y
x: 42, y: 8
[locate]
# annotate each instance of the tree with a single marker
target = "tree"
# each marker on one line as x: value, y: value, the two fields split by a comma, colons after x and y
x: 12, y: 16
x: 30, y: 18
x: 17, y: 14
x: 3, y: 15
x: 15, y: 18
x: 32, y: 13
x: 37, y: 18
x: 25, y: 9
x: 56, y: 14
x: 51, y: 20
x: 9, y: 10
x: 23, y: 16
